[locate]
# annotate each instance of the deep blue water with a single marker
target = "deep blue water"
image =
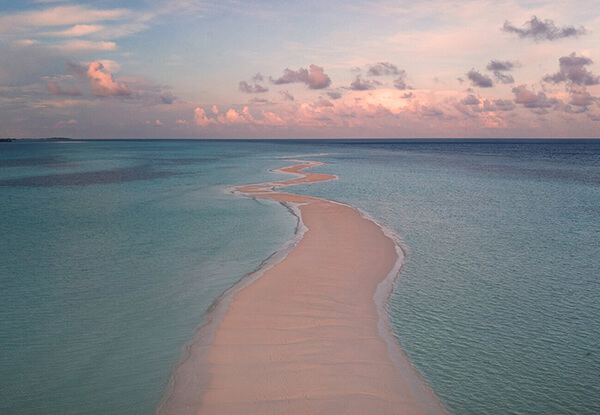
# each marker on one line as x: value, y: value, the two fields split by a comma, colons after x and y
x: 113, y: 251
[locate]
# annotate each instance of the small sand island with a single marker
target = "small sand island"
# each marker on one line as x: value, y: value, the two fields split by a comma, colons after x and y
x: 304, y: 336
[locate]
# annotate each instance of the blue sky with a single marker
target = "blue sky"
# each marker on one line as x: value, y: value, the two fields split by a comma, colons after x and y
x: 257, y: 69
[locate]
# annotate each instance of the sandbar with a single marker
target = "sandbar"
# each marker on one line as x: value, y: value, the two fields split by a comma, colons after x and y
x: 302, y: 338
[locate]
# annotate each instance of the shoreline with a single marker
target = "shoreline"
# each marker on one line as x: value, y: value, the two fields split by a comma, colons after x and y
x: 307, y: 332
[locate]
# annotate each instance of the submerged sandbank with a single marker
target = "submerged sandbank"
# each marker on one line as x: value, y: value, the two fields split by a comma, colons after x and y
x: 304, y: 337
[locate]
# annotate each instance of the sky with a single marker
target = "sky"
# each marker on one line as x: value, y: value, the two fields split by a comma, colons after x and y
x: 291, y: 69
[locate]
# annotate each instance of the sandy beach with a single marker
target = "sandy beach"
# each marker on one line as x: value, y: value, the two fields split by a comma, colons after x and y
x: 303, y: 338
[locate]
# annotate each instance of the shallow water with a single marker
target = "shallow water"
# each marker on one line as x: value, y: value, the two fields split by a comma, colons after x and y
x: 115, y: 250
x: 106, y: 272
x: 498, y: 303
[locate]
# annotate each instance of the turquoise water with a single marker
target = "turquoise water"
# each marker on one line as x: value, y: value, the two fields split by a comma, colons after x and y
x: 114, y: 250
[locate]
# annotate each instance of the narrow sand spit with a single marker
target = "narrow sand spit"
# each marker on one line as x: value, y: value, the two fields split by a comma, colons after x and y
x: 303, y: 338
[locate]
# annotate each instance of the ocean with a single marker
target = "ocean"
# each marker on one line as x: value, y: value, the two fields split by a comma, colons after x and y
x: 113, y: 251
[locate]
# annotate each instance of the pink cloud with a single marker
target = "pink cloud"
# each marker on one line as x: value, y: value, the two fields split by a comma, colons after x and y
x: 234, y: 117
x: 201, y: 119
x: 79, y: 45
x: 23, y: 43
x: 102, y: 83
x: 482, y: 113
x: 380, y: 112
x: 62, y: 103
x: 69, y: 122
x: 59, y: 16
x: 272, y: 119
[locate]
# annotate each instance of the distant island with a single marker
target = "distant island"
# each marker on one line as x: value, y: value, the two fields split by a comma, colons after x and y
x: 8, y: 140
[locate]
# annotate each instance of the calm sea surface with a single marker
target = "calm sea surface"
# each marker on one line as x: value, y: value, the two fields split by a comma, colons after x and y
x: 113, y: 251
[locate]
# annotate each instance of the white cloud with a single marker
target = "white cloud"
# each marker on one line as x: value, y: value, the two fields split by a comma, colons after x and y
x: 75, y: 31
x: 85, y: 46
x: 23, y: 43
x: 59, y: 16
x: 117, y: 31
